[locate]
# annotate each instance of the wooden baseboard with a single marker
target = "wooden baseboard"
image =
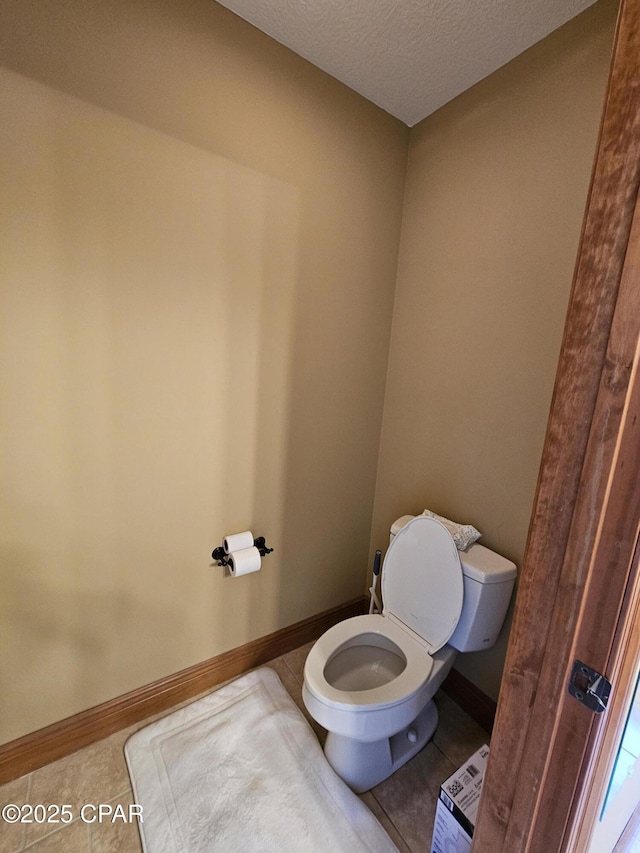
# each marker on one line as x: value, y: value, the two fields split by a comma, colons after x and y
x: 34, y: 750
x: 471, y: 699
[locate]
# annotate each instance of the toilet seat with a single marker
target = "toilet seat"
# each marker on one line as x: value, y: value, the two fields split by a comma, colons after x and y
x: 422, y: 581
x: 405, y: 685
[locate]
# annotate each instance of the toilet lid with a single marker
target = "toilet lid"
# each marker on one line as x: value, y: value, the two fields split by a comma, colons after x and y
x: 422, y: 583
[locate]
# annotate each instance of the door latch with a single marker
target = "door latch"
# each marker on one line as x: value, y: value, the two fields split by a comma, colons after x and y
x: 589, y: 687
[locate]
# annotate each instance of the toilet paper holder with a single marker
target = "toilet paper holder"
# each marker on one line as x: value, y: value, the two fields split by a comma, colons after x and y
x: 222, y: 557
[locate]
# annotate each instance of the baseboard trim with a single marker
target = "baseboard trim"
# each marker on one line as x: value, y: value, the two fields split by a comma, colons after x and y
x: 34, y: 750
x: 471, y: 699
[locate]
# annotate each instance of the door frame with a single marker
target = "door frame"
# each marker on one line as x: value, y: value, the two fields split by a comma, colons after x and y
x: 578, y: 558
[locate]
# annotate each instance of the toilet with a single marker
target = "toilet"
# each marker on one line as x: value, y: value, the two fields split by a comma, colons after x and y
x: 370, y: 680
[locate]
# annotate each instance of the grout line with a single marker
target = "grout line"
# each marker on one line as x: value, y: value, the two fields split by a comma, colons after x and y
x: 290, y: 668
x: 23, y: 834
x: 58, y: 829
x: 391, y: 821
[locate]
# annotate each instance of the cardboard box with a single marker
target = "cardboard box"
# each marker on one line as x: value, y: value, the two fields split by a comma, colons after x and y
x: 457, y: 806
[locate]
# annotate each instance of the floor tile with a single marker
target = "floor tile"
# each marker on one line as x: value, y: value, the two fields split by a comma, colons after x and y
x: 116, y: 836
x: 92, y: 775
x: 457, y: 735
x: 296, y: 660
x: 73, y: 838
x: 288, y: 679
x: 385, y: 821
x: 409, y: 796
x: 13, y: 834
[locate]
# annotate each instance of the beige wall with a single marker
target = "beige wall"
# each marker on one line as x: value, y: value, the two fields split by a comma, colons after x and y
x: 496, y: 186
x: 198, y: 277
x: 200, y: 235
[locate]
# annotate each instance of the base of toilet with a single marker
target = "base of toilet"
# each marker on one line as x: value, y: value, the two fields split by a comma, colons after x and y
x: 364, y: 764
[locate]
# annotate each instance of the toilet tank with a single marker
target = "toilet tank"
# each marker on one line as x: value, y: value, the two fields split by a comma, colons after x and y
x: 488, y: 585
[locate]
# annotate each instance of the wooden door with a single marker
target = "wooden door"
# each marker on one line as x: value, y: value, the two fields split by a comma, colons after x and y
x: 579, y: 556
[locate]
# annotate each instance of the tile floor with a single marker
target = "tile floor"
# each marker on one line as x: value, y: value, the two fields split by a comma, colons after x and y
x: 404, y: 804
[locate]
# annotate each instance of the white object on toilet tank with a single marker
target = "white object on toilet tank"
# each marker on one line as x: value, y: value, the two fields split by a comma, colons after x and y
x: 488, y: 584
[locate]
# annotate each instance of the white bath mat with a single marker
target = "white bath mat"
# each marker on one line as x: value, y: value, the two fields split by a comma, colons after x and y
x: 241, y: 771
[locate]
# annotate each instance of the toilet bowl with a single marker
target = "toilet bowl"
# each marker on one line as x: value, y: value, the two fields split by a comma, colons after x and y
x: 370, y: 680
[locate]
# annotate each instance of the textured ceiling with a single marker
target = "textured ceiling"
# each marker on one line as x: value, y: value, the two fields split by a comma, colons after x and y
x: 408, y: 56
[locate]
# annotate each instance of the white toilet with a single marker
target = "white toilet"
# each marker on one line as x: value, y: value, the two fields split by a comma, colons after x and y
x: 370, y: 680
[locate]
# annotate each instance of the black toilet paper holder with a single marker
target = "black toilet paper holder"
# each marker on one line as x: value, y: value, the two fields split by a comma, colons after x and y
x: 222, y: 558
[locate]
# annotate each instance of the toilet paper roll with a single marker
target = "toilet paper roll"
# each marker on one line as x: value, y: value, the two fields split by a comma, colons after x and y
x: 238, y: 541
x: 244, y: 562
